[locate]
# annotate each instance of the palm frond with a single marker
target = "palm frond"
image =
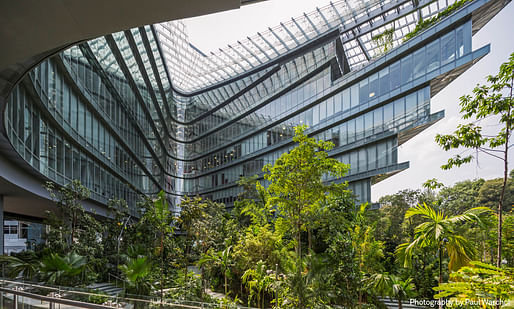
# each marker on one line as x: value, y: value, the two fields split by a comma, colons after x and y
x: 474, y: 214
x: 460, y: 252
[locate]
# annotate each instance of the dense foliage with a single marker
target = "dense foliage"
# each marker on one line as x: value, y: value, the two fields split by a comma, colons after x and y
x: 424, y: 24
x: 293, y: 239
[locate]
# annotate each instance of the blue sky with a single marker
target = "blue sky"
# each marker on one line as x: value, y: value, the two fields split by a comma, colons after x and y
x: 217, y: 30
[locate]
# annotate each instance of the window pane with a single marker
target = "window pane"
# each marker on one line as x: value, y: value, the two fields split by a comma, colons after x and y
x: 448, y: 48
x: 372, y: 157
x: 382, y: 155
x: 315, y: 115
x: 399, y: 111
x: 346, y: 99
x: 368, y: 124
x: 388, y: 116
x: 337, y: 103
x: 407, y: 69
x: 343, y: 134
x: 359, y: 127
x: 384, y: 81
x: 355, y: 96
x: 378, y: 120
x: 363, y: 91
x: 330, y: 106
x: 419, y: 62
x: 351, y: 131
x: 373, y: 86
x: 394, y: 75
x: 362, y: 160
x: 323, y: 110
x: 432, y: 56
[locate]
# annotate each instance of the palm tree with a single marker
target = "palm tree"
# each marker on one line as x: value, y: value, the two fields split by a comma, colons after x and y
x: 65, y: 270
x: 25, y: 265
x: 219, y: 258
x: 379, y: 283
x: 257, y: 280
x: 401, y: 289
x: 393, y: 286
x: 438, y: 231
x: 137, y: 270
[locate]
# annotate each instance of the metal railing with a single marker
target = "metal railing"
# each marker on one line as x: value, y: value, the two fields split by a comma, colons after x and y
x: 117, y: 280
x: 18, y: 295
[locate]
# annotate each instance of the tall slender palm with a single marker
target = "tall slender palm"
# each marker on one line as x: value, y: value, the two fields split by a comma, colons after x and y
x: 439, y: 232
x: 392, y: 286
x: 401, y: 289
x: 222, y: 259
x: 258, y: 281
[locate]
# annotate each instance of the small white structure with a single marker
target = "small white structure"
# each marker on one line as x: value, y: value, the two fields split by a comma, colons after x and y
x: 15, y: 236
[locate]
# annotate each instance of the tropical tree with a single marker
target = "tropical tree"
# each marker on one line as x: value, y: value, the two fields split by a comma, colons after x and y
x: 439, y: 232
x: 203, y: 221
x: 369, y: 252
x: 159, y: 217
x: 490, y: 191
x: 297, y: 190
x: 192, y: 211
x: 137, y: 270
x: 461, y: 196
x: 118, y: 229
x: 393, y: 286
x: 73, y: 228
x: 222, y: 259
x: 68, y: 200
x: 492, y: 99
x: 339, y: 276
x: 401, y: 289
x: 258, y: 281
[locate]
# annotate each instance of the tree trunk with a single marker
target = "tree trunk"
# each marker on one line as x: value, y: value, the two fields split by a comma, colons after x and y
x: 186, y: 254
x: 202, y: 280
x: 225, y: 273
x: 400, y: 304
x: 484, y: 238
x: 309, y: 234
x: 262, y: 300
x: 162, y: 267
x: 73, y: 226
x: 505, y: 177
x: 299, y: 263
x: 440, y: 272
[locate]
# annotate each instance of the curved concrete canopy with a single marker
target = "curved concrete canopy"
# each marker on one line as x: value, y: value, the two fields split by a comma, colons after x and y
x: 33, y: 30
x: 31, y: 27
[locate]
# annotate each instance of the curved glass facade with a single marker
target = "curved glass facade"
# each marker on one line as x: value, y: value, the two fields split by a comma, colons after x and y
x: 110, y: 112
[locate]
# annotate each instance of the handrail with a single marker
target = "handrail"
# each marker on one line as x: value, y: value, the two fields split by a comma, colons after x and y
x: 50, y: 299
x: 116, y: 277
x: 56, y: 297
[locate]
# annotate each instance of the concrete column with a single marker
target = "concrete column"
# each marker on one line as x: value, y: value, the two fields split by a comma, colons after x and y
x: 2, y: 224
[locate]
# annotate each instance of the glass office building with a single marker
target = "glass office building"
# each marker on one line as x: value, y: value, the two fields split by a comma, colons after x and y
x: 143, y: 110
